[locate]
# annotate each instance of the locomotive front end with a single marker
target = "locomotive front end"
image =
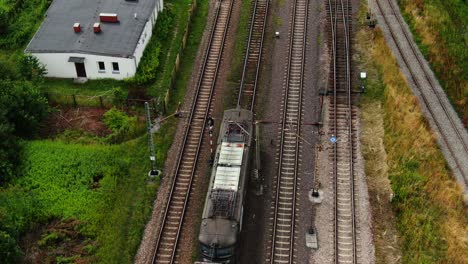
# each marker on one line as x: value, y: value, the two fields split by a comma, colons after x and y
x: 218, y: 239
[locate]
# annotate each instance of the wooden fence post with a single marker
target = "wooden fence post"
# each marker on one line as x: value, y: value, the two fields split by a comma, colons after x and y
x: 155, y: 110
x: 167, y: 99
x: 100, y: 102
x: 74, y: 101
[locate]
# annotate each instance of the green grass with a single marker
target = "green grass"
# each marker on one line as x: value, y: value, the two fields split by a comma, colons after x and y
x: 241, y: 41
x: 439, y: 28
x: 171, y: 47
x: 91, y: 88
x: 197, y: 28
x: 59, y: 176
x: 62, y: 92
x: 23, y: 18
x: 4, y: 6
x: 60, y: 180
x: 427, y: 203
x: 237, y: 63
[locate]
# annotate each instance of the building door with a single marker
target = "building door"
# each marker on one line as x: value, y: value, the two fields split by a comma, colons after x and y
x: 80, y: 69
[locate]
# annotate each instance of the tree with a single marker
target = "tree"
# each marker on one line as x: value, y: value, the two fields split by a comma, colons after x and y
x: 3, y: 22
x: 120, y: 124
x: 22, y: 108
x: 9, y: 150
x: 31, y: 69
x: 9, y: 249
x: 7, y: 69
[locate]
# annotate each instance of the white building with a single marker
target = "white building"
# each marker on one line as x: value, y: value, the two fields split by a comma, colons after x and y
x: 94, y: 38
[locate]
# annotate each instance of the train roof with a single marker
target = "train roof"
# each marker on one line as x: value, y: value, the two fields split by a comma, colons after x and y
x: 223, y: 206
x: 229, y: 166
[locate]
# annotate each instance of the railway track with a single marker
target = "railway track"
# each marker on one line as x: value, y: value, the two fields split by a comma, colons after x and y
x: 343, y: 156
x: 253, y: 56
x: 453, y: 136
x: 282, y: 243
x: 173, y: 219
x: 343, y: 126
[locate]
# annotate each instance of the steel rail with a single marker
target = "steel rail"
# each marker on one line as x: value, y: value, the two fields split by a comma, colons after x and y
x: 350, y: 124
x: 335, y: 122
x: 297, y: 133
x: 426, y: 74
x: 188, y: 130
x: 263, y: 19
x: 419, y: 86
x: 349, y: 116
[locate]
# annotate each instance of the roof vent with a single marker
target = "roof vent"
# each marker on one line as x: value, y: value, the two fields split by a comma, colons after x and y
x: 77, y: 27
x: 97, y: 27
x: 106, y: 17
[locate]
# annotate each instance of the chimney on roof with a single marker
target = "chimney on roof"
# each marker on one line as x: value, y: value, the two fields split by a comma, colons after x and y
x: 77, y: 27
x: 97, y: 27
x: 107, y: 17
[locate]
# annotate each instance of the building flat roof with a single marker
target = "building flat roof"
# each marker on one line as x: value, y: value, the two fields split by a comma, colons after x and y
x: 56, y: 34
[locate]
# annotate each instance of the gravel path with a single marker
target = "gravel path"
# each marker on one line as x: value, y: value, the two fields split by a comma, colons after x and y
x: 436, y: 107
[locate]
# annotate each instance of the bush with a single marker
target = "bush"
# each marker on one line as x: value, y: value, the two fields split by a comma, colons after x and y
x: 122, y: 125
x: 19, y: 21
x: 9, y: 149
x: 66, y: 260
x: 165, y: 23
x: 9, y: 249
x: 31, y: 69
x: 8, y: 70
x: 22, y: 110
x: 148, y: 68
x: 120, y: 95
x: 23, y: 106
x: 18, y: 210
x: 50, y: 238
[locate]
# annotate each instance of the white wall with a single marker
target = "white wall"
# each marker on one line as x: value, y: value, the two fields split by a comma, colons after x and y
x: 57, y: 65
x: 143, y: 41
x: 147, y: 32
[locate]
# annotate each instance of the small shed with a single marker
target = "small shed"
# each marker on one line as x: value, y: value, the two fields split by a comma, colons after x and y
x: 94, y: 39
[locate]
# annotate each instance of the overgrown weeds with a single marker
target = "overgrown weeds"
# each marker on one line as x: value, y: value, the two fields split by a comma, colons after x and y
x: 104, y: 187
x: 430, y: 216
x: 440, y: 30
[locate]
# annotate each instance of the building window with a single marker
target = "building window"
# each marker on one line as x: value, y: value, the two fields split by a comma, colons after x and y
x: 115, y: 67
x: 102, y: 66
